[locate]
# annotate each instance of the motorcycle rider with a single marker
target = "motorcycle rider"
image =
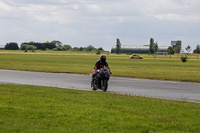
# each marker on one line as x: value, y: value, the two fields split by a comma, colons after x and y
x: 99, y: 64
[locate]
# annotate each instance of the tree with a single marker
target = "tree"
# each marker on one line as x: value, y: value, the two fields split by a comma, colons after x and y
x: 100, y: 49
x: 118, y: 46
x: 197, y: 50
x: 27, y: 47
x: 151, y: 50
x: 23, y: 46
x: 170, y: 51
x: 89, y: 48
x: 75, y: 49
x: 155, y: 49
x: 67, y: 47
x: 178, y: 49
x: 11, y: 46
x: 48, y: 45
x: 31, y: 47
x: 188, y: 48
x: 57, y: 43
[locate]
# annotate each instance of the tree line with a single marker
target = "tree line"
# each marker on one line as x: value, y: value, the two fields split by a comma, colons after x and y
x: 54, y: 45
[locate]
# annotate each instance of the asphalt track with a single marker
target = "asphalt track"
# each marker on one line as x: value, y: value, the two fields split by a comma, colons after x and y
x: 184, y: 91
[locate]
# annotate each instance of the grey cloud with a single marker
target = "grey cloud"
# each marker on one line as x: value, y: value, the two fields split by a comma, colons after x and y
x: 135, y: 21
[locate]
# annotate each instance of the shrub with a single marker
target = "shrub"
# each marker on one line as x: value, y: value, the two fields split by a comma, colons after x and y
x: 184, y: 58
x: 28, y: 47
x: 58, y: 49
x: 98, y: 52
x: 31, y: 47
x: 23, y: 46
x: 55, y: 49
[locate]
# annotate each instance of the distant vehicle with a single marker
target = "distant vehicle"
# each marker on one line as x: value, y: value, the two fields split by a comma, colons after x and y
x: 133, y: 56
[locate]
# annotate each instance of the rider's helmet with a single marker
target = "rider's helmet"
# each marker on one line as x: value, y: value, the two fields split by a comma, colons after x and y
x: 102, y: 58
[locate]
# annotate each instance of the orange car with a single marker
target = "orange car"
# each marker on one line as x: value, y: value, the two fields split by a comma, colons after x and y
x: 133, y: 56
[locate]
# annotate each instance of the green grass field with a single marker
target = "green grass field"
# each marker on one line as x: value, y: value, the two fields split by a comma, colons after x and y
x: 162, y: 68
x: 34, y: 109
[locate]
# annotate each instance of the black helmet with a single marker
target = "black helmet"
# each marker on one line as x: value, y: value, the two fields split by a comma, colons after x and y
x: 102, y: 58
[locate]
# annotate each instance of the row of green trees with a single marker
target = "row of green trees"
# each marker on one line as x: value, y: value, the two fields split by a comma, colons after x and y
x: 30, y: 46
x: 54, y: 45
x: 38, y: 45
x: 171, y: 51
x: 68, y: 47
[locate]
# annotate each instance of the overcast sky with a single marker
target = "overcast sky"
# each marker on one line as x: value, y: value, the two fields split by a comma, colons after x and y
x: 100, y: 22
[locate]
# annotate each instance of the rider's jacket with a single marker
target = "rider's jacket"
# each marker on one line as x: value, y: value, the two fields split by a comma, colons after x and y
x: 100, y: 64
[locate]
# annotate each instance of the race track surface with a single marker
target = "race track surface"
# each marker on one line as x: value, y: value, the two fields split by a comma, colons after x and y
x: 185, y: 91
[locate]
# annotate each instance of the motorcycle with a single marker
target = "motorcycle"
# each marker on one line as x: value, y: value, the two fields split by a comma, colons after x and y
x: 101, y: 79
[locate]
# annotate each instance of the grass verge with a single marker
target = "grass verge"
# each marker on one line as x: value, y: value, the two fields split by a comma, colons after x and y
x: 44, y: 109
x: 161, y: 68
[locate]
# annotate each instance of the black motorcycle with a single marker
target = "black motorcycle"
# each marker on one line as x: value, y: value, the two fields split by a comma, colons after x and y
x: 101, y: 79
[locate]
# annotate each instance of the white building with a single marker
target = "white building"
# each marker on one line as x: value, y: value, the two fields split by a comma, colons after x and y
x: 138, y: 49
x: 2, y: 47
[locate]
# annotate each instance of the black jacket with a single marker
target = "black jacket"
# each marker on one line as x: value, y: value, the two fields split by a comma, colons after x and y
x: 100, y: 64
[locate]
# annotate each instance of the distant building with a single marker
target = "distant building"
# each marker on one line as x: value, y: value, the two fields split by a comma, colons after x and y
x: 137, y: 49
x: 2, y: 47
x: 161, y: 53
x: 176, y: 45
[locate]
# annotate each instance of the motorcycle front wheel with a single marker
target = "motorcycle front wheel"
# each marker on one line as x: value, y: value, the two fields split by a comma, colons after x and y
x: 93, y: 87
x: 104, y: 85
